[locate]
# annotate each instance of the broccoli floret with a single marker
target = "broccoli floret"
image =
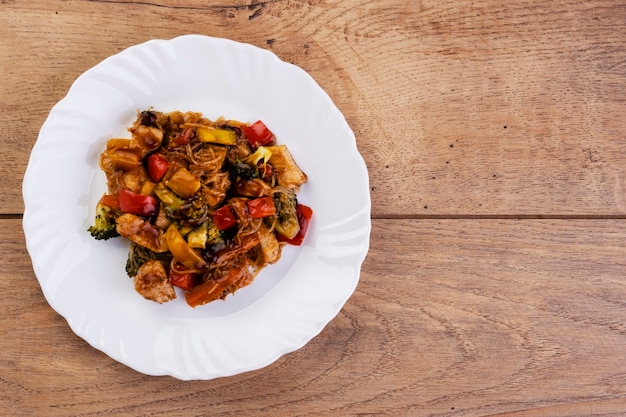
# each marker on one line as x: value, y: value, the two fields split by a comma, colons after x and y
x: 245, y: 171
x: 136, y: 258
x: 138, y: 255
x: 214, y: 235
x: 287, y: 214
x: 206, y: 235
x: 104, y: 226
x: 195, y: 212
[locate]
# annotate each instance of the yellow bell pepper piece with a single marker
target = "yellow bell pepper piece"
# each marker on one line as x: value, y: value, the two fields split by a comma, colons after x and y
x: 183, y: 183
x: 126, y: 159
x: 181, y: 250
x: 197, y: 238
x: 117, y: 143
x: 219, y: 136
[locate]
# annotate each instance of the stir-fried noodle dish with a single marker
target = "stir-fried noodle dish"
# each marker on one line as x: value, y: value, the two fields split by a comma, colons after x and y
x: 205, y: 204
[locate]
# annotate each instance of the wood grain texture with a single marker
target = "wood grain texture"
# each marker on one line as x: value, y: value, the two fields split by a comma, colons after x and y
x: 474, y: 318
x: 494, y: 138
x: 487, y: 108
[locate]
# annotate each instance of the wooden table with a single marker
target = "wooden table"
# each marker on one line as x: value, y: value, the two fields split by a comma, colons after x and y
x: 495, y: 140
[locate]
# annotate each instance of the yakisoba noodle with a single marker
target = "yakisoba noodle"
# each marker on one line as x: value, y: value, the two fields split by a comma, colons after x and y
x: 205, y: 204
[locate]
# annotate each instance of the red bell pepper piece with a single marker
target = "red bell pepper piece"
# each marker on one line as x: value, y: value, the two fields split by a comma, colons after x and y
x: 304, y: 217
x: 258, y: 134
x: 157, y: 166
x: 182, y: 278
x: 142, y: 205
x: 261, y: 207
x: 224, y: 218
x: 184, y: 137
x: 111, y: 201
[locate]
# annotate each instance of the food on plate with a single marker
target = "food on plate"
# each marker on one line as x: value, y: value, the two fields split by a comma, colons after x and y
x: 205, y: 204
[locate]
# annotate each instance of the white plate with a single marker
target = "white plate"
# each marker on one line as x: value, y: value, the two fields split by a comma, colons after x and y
x: 84, y: 280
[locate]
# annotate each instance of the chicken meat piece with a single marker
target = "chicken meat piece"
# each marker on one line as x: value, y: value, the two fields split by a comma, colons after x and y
x: 147, y: 138
x: 287, y: 171
x: 152, y: 283
x: 255, y: 187
x: 141, y: 232
x: 270, y: 248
